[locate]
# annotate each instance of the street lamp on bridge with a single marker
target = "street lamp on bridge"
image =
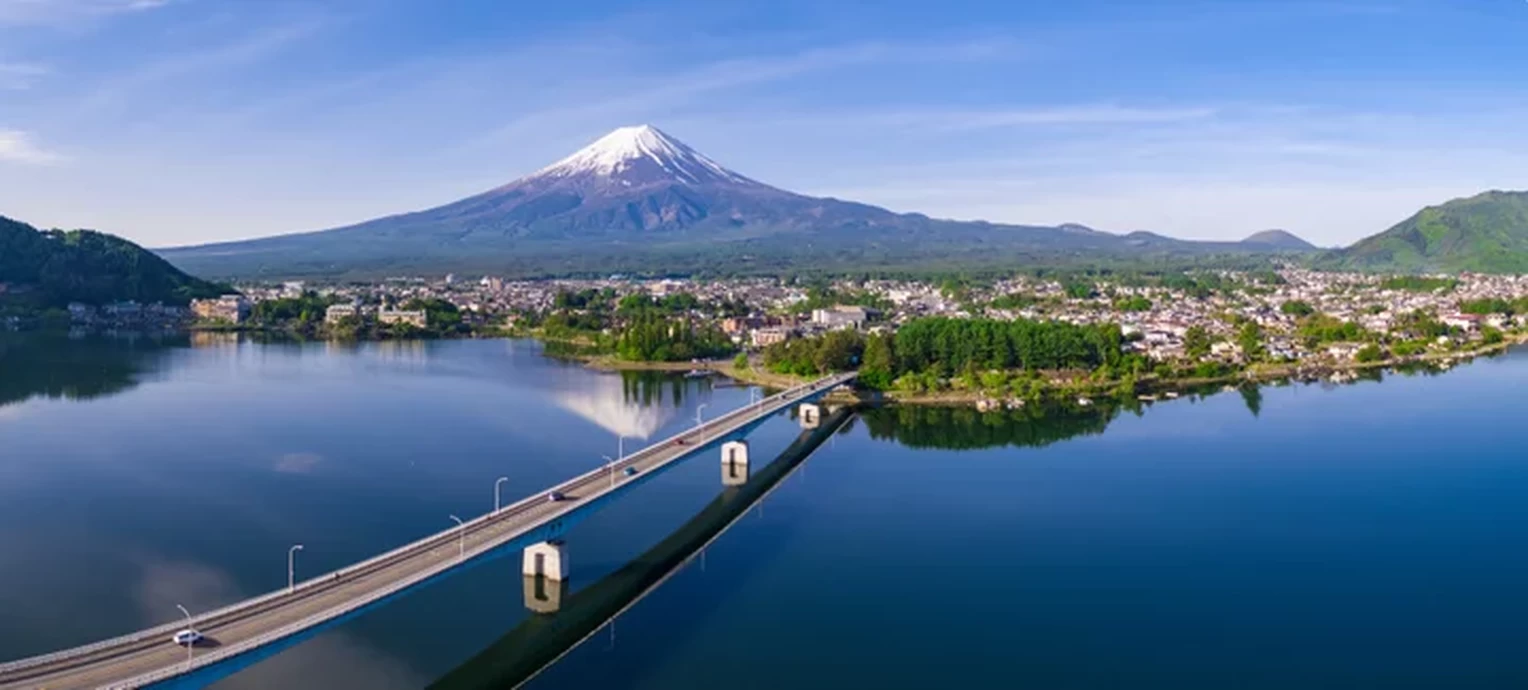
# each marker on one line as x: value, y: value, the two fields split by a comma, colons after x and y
x: 496, y: 484
x: 461, y: 540
x: 191, y: 643
x: 292, y: 567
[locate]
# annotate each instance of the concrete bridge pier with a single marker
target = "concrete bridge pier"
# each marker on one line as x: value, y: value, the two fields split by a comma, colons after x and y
x: 734, y: 463
x: 544, y: 595
x: 810, y: 415
x: 547, y: 559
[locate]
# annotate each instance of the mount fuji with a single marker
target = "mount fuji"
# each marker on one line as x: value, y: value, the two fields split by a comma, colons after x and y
x: 639, y: 200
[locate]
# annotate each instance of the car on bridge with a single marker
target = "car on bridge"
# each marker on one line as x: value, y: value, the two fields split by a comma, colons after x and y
x: 186, y: 638
x: 555, y: 496
x: 630, y: 471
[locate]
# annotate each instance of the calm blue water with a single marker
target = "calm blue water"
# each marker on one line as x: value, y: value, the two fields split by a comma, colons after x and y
x: 1370, y: 535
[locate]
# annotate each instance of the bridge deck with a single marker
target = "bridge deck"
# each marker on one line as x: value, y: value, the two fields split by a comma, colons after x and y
x: 148, y: 656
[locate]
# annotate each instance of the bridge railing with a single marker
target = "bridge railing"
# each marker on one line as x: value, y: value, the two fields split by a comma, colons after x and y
x: 430, y: 541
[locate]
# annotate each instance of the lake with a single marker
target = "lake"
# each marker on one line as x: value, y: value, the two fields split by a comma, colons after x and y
x: 1367, y: 535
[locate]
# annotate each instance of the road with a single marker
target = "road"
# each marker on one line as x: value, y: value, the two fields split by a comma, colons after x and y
x: 148, y: 656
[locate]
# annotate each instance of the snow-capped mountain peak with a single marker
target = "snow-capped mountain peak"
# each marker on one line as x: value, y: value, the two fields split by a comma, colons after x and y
x: 641, y: 150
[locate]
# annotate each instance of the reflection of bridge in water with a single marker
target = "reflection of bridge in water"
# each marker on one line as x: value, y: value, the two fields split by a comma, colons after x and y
x: 566, y: 621
x: 251, y: 630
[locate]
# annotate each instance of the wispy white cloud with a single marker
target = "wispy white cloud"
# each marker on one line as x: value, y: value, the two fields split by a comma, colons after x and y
x: 1063, y: 115
x: 958, y: 120
x: 42, y: 12
x: 20, y: 75
x: 19, y: 147
x: 647, y: 94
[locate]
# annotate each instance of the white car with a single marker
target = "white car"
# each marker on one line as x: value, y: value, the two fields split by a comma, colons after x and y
x: 186, y: 638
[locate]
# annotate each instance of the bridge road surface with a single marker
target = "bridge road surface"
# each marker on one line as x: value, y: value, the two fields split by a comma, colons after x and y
x: 149, y: 657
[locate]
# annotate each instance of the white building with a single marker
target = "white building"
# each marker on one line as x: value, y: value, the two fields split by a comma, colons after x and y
x: 416, y: 318
x: 230, y: 308
x: 841, y: 317
x: 336, y: 312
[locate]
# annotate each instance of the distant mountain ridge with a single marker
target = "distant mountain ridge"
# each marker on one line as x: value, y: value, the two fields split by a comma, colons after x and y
x: 50, y: 269
x: 638, y: 199
x: 1281, y: 239
x: 1485, y: 233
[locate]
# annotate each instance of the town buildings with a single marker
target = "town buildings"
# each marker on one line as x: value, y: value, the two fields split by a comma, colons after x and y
x: 1154, y: 318
x: 413, y: 317
x: 228, y: 308
x: 339, y: 312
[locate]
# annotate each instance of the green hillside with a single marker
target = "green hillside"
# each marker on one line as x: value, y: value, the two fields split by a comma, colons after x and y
x: 1486, y: 233
x: 50, y: 269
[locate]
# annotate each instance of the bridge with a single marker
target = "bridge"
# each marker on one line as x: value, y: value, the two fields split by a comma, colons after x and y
x: 566, y: 621
x: 244, y: 633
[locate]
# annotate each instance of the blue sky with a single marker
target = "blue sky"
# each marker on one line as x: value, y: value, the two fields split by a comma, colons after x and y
x: 185, y: 121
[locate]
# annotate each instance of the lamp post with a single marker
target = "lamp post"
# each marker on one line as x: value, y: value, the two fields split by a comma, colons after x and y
x: 620, y: 445
x: 610, y: 464
x: 190, y: 645
x: 461, y: 540
x: 292, y: 567
x: 496, y: 484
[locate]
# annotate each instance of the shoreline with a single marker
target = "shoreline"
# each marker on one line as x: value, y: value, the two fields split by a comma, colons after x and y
x: 1080, y: 392
x: 1147, y: 389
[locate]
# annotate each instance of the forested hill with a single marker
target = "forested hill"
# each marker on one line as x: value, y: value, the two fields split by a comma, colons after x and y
x: 52, y: 268
x: 1486, y: 233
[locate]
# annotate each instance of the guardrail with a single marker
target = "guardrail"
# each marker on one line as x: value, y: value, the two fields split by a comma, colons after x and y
x: 423, y: 544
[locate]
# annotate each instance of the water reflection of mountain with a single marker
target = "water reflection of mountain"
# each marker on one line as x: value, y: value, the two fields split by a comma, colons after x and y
x: 965, y: 428
x: 637, y: 404
x: 58, y: 365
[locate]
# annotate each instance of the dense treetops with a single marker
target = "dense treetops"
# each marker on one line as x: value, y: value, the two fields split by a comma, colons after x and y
x: 1418, y: 283
x: 638, y: 327
x: 952, y: 345
x: 651, y: 337
x: 53, y: 268
x: 1495, y: 305
x: 936, y: 347
x: 834, y: 351
x: 1297, y: 308
x: 1321, y: 329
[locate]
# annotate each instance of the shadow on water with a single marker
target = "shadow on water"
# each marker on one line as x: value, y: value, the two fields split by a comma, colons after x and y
x: 542, y: 639
x: 77, y: 366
